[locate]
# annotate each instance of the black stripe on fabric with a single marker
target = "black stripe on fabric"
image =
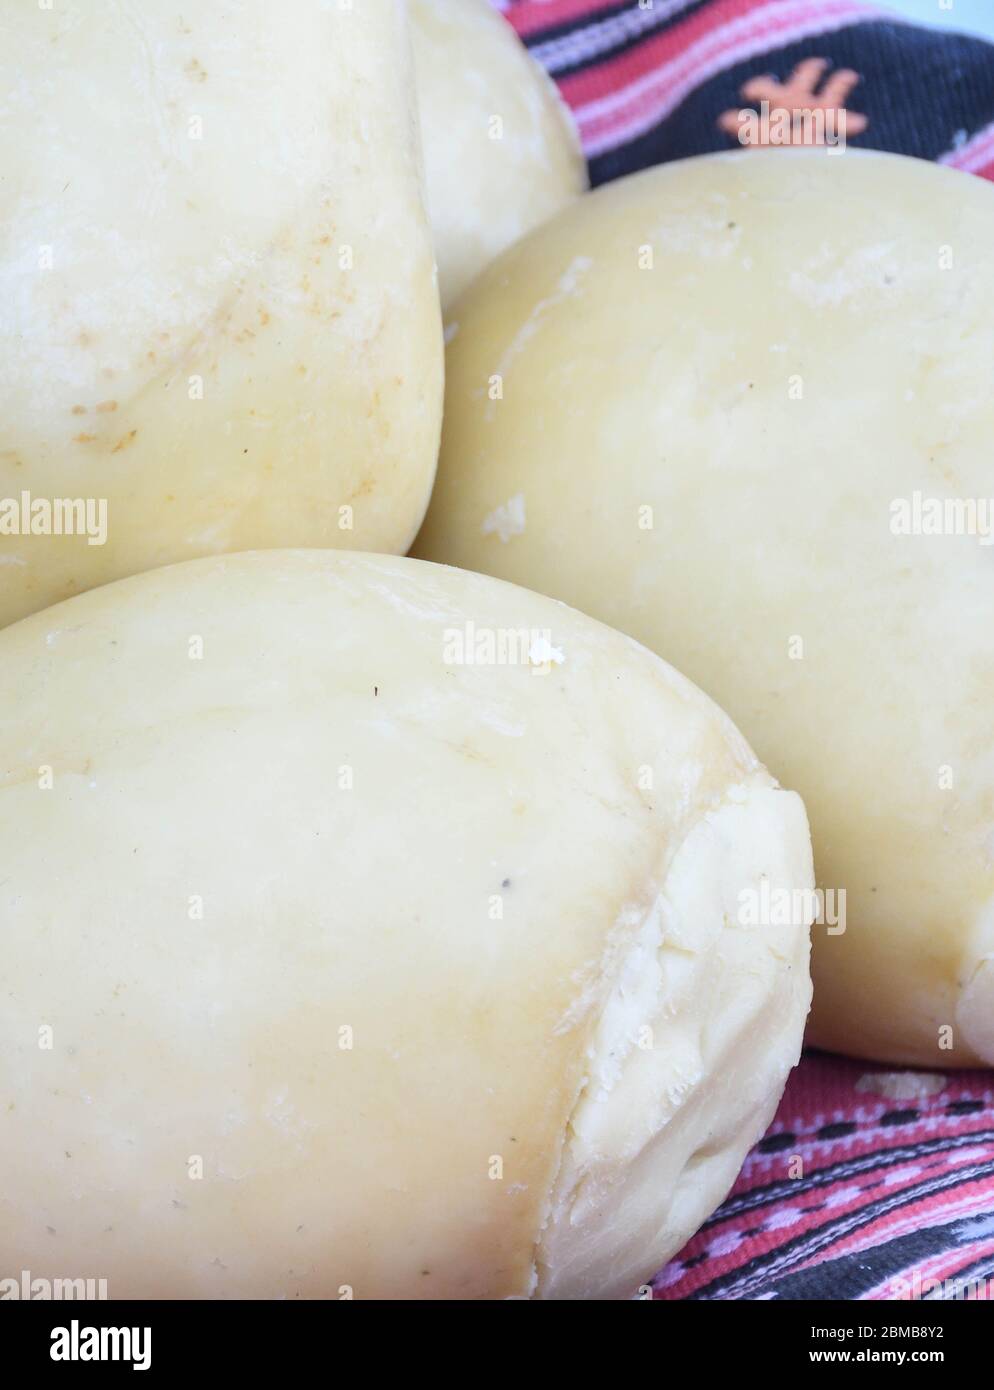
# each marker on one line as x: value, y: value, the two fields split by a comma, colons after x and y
x: 964, y: 1107
x: 755, y: 1277
x: 839, y: 1130
x: 617, y: 49
x: 854, y: 1275
x: 892, y: 1118
x: 771, y: 1193
x: 776, y: 1143
x: 921, y: 91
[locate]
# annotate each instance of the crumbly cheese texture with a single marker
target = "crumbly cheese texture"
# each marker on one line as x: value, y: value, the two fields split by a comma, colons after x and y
x: 723, y: 385
x: 501, y: 152
x: 343, y: 955
x: 217, y: 294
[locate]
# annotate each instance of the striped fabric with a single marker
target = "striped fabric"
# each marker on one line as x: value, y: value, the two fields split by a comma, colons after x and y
x: 975, y: 155
x: 870, y: 1184
x: 648, y: 82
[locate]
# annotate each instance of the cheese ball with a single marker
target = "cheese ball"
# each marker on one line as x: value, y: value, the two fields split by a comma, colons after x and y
x: 217, y: 297
x: 741, y: 407
x: 501, y: 151
x: 376, y: 930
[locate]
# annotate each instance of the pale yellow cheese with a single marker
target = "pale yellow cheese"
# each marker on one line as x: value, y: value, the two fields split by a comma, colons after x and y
x: 719, y: 405
x: 218, y: 309
x: 501, y: 151
x: 372, y: 929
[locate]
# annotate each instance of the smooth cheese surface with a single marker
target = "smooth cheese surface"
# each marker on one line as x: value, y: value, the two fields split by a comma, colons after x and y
x: 370, y: 925
x: 501, y: 151
x: 217, y: 296
x: 711, y: 405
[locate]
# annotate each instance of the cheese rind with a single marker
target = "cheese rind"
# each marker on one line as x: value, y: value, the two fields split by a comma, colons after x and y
x: 217, y: 297
x: 501, y: 152
x: 745, y: 411
x: 334, y: 911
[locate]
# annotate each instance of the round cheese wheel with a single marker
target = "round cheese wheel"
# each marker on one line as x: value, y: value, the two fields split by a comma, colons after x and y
x: 719, y: 405
x: 500, y: 149
x: 372, y: 929
x: 216, y: 285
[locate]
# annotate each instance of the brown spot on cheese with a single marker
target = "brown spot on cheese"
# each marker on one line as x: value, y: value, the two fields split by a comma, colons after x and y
x: 79, y: 410
x: 363, y: 490
x: 83, y: 438
x: 124, y: 442
x: 105, y: 407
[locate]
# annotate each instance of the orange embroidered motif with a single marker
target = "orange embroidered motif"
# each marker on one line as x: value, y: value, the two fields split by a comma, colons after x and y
x: 795, y: 112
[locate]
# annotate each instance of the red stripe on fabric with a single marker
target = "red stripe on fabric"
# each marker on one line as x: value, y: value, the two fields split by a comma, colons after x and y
x: 976, y: 155
x: 658, y: 50
x: 531, y: 16
x: 930, y: 1212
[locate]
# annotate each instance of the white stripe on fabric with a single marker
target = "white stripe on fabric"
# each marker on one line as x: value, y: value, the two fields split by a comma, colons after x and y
x: 582, y: 45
